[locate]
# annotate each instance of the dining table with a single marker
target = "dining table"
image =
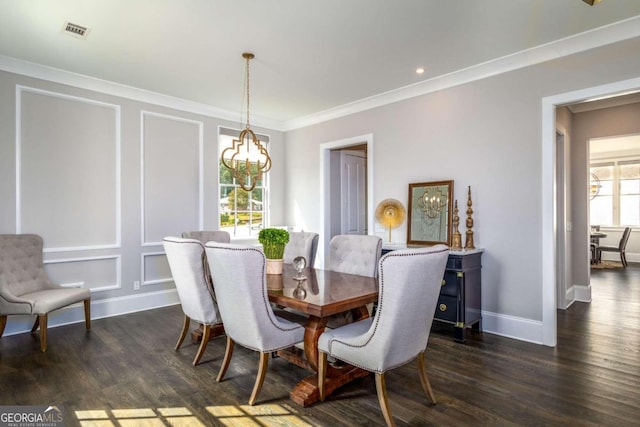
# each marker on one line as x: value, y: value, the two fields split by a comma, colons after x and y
x: 316, y: 295
x: 595, y: 237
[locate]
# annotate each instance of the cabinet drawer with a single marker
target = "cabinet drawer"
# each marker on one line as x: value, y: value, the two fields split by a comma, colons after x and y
x: 446, y: 308
x: 450, y: 284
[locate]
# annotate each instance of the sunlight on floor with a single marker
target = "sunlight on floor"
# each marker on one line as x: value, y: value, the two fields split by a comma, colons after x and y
x: 228, y: 415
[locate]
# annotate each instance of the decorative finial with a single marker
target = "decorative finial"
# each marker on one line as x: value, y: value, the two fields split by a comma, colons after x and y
x: 469, y: 241
x: 456, y: 237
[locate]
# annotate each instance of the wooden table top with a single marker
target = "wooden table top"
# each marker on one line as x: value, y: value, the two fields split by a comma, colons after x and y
x: 325, y: 292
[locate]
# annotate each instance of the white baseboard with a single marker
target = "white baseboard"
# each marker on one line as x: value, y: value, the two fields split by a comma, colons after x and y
x: 99, y: 309
x: 570, y: 296
x: 615, y: 256
x: 493, y: 323
x: 582, y: 293
x: 512, y: 327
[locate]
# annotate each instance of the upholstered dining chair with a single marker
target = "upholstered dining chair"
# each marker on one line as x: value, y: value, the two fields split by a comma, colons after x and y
x: 208, y: 236
x: 25, y: 287
x: 187, y: 261
x: 353, y: 254
x: 621, y: 248
x: 239, y: 279
x: 303, y: 244
x: 204, y: 236
x: 410, y: 281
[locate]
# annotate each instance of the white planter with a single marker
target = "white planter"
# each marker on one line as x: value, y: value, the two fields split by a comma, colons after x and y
x: 274, y: 266
x: 274, y: 282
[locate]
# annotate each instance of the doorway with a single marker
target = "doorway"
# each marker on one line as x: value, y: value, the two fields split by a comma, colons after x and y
x: 550, y: 245
x: 333, y: 156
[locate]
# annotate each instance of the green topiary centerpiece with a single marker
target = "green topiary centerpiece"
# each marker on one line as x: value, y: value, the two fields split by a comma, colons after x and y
x: 273, y: 242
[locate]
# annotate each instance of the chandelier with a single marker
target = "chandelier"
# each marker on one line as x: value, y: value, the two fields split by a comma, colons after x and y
x: 247, y: 158
x: 595, y: 186
x: 432, y: 202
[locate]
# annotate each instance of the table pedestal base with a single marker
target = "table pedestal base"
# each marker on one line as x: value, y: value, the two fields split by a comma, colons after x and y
x: 216, y: 331
x: 306, y: 392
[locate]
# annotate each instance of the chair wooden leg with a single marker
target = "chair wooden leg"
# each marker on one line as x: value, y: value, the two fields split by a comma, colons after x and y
x: 43, y: 332
x: 426, y: 385
x: 3, y: 323
x: 322, y: 373
x: 87, y: 313
x: 206, y: 333
x: 228, y: 352
x: 262, y: 371
x: 381, y: 389
x: 183, y: 334
x: 35, y: 325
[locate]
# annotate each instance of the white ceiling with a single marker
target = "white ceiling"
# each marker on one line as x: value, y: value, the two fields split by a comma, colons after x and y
x: 311, y: 55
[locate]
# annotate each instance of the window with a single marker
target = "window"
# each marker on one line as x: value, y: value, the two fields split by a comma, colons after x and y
x: 242, y: 213
x: 615, y: 193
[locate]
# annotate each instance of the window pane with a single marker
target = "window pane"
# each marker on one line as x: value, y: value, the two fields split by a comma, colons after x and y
x: 630, y: 210
x: 630, y: 186
x: 225, y: 174
x: 602, y: 172
x: 630, y: 171
x: 242, y: 213
x: 601, y: 211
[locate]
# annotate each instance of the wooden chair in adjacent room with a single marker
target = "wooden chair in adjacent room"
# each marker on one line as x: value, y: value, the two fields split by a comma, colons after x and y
x: 25, y: 287
x: 621, y: 248
x: 410, y: 281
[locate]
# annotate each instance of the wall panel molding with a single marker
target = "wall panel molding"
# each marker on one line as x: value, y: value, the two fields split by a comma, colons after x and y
x: 74, y: 174
x: 117, y: 266
x: 166, y: 154
x: 143, y: 270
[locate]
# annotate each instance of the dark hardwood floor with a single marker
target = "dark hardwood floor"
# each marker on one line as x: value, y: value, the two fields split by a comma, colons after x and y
x: 125, y: 372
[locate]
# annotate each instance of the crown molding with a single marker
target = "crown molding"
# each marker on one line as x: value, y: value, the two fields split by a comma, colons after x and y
x: 56, y: 75
x: 597, y: 37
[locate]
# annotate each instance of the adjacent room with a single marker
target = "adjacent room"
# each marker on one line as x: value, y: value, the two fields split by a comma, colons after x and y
x: 320, y: 213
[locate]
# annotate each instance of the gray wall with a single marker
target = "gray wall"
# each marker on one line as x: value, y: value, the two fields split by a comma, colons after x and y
x: 103, y: 179
x: 485, y: 134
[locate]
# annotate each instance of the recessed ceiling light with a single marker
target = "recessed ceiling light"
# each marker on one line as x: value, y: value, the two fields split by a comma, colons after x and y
x: 420, y: 70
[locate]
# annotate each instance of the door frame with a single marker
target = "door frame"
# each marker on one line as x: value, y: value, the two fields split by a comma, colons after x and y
x: 325, y: 180
x: 562, y: 255
x: 549, y: 241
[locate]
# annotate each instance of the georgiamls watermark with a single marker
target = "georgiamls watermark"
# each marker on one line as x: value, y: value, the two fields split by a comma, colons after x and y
x: 31, y: 416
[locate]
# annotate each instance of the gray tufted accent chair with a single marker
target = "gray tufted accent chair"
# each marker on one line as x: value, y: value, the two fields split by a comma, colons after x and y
x: 208, y: 236
x: 301, y: 244
x: 189, y: 269
x: 25, y: 287
x: 410, y: 283
x: 240, y: 281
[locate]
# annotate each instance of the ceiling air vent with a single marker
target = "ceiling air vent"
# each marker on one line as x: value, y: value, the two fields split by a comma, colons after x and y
x: 76, y: 30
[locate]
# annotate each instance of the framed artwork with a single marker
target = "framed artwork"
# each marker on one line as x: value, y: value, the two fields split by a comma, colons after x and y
x: 430, y: 213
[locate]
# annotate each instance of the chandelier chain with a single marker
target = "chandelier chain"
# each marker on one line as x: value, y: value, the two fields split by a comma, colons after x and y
x: 247, y: 90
